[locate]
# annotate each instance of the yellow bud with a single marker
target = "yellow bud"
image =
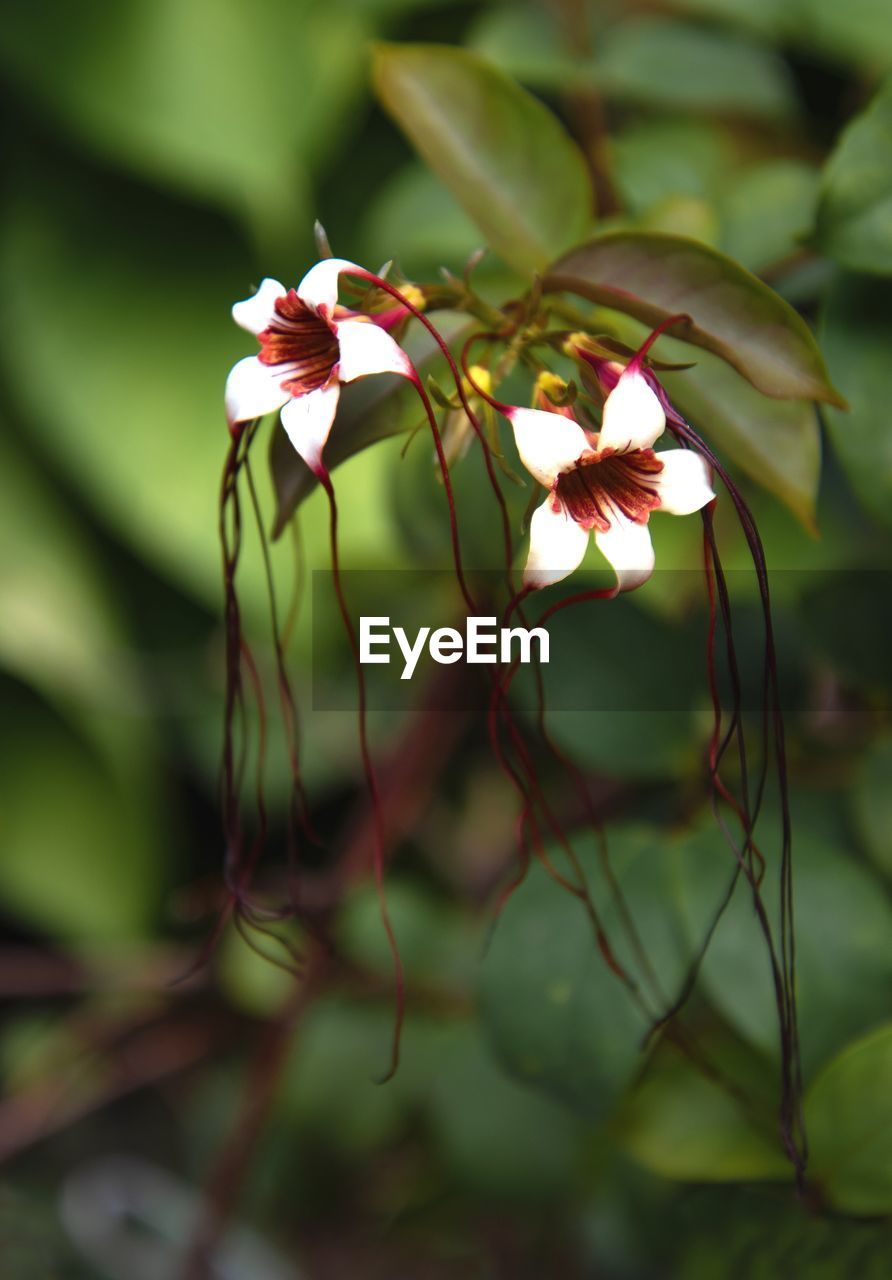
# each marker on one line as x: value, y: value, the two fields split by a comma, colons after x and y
x: 414, y: 296
x: 479, y: 377
x: 550, y: 385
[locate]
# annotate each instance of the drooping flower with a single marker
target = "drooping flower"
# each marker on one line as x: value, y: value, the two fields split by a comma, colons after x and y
x: 607, y: 483
x: 309, y: 346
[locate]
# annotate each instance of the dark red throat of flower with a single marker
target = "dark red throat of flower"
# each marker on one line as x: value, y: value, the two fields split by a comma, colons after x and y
x: 301, y: 343
x: 605, y: 482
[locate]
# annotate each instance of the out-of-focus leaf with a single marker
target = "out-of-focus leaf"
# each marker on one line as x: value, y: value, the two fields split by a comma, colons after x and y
x: 872, y: 799
x: 843, y: 942
x: 629, y: 723
x: 854, y: 219
x: 523, y: 40
x: 198, y: 93
x: 122, y: 378
x: 761, y: 16
x: 438, y: 946
x: 557, y: 1015
x: 414, y: 215
x: 500, y: 152
x: 734, y: 315
x: 767, y: 211
x: 680, y: 1124
x: 58, y: 629
x: 858, y: 32
x: 663, y: 159
x: 79, y: 846
x: 500, y: 1139
x: 683, y: 216
x: 856, y: 333
x: 848, y: 1114
x: 666, y: 63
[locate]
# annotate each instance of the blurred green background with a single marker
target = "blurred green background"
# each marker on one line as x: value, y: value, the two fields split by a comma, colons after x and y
x: 161, y: 156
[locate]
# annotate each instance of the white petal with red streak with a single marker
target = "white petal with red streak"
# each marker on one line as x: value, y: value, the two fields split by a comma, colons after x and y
x: 255, y: 314
x: 307, y: 421
x: 627, y: 545
x: 367, y: 349
x: 548, y: 443
x: 252, y: 389
x: 633, y: 416
x: 684, y: 485
x: 319, y: 287
x: 557, y: 545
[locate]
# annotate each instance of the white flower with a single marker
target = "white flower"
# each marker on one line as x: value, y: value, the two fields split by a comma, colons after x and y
x: 608, y: 484
x: 305, y: 355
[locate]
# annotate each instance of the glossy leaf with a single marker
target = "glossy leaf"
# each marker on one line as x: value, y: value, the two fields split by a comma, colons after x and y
x: 854, y: 220
x: 848, y: 1113
x: 732, y: 314
x: 856, y: 333
x: 500, y: 152
x: 776, y: 442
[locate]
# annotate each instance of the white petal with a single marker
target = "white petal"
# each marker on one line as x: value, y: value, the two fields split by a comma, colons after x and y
x: 252, y: 389
x: 367, y: 349
x: 628, y: 547
x: 307, y: 419
x: 684, y: 483
x: 548, y: 443
x: 633, y: 416
x: 319, y: 287
x: 255, y: 314
x: 557, y: 545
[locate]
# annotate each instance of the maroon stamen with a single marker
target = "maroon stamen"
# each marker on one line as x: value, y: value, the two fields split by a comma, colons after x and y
x: 607, y: 481
x: 300, y: 341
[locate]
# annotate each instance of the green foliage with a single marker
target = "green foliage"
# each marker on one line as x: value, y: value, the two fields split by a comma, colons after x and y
x: 857, y: 331
x: 732, y: 314
x: 854, y: 220
x: 501, y: 154
x: 847, y: 1112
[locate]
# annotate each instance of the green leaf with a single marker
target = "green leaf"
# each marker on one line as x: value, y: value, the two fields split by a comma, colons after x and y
x: 199, y: 94
x: 854, y: 219
x: 680, y: 1124
x: 666, y: 63
x: 843, y: 948
x: 848, y: 1116
x: 856, y: 333
x: 776, y: 442
x: 501, y: 153
x: 857, y: 32
x: 59, y: 630
x: 732, y: 314
x: 557, y: 1015
x: 500, y: 1139
x: 524, y: 41
x: 767, y: 212
x: 872, y: 802
x: 662, y: 159
x: 79, y: 844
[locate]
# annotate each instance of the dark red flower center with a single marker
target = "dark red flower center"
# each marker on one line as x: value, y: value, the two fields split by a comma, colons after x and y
x: 605, y: 482
x: 301, y: 343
